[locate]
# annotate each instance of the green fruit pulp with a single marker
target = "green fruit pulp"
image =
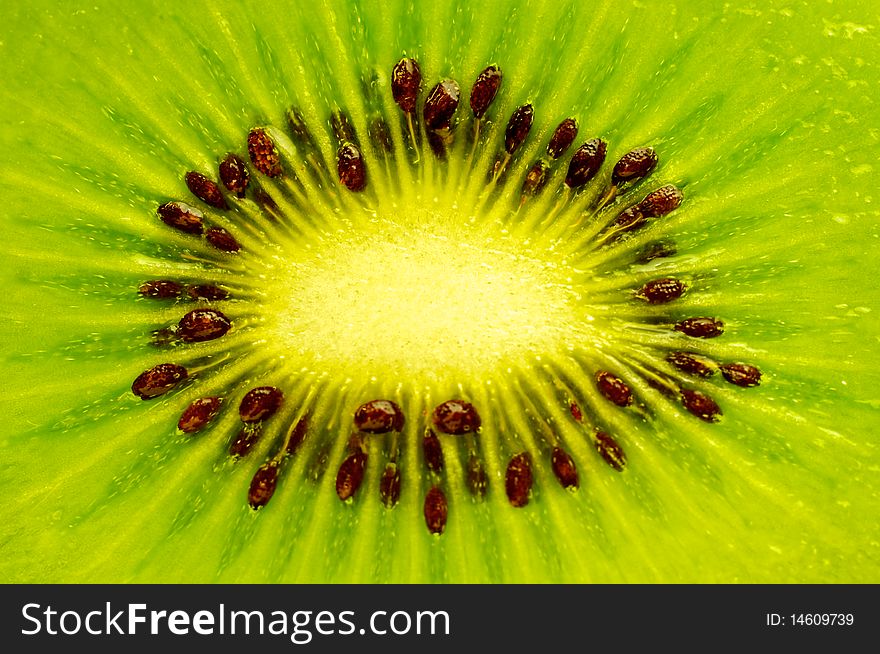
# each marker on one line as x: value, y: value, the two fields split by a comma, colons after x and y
x: 764, y: 114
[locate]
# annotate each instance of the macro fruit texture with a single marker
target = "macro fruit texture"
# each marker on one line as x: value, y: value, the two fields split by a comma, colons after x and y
x: 689, y: 396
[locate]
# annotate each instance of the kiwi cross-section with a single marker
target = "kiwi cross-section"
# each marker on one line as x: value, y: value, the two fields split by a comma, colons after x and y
x: 476, y: 292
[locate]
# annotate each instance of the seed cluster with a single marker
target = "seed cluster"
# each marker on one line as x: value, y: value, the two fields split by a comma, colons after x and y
x: 450, y: 432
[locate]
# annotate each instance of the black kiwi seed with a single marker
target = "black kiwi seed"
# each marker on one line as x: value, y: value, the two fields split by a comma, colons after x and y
x: 585, y: 163
x: 564, y: 468
x: 406, y: 78
x: 259, y: 403
x: 661, y: 291
x: 379, y: 417
x: 634, y: 165
x: 687, y: 362
x: 741, y: 374
x: 518, y: 480
x: 661, y: 201
x: 536, y: 178
x: 389, y: 485
x: 700, y: 404
x: 433, y: 451
x: 518, y: 127
x: 198, y: 414
x: 158, y: 380
x: 160, y: 289
x: 205, y: 190
x: 221, y: 239
x: 351, y: 474
x: 613, y: 388
x: 610, y: 450
x: 263, y: 485
x: 563, y: 136
x: 441, y: 104
x: 436, y: 510
x: 351, y: 168
x: 207, y: 292
x: 203, y: 325
x: 297, y: 435
x: 263, y: 153
x: 629, y: 219
x: 700, y: 327
x: 484, y: 90
x: 456, y: 417
x: 182, y: 217
x: 234, y: 175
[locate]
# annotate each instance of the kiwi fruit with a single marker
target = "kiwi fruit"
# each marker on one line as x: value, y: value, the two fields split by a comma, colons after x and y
x: 483, y: 292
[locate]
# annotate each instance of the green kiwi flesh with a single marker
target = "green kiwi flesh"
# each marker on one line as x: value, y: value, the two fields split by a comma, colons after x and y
x: 764, y: 117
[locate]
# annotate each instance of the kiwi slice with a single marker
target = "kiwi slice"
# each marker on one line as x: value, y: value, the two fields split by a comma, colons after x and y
x: 483, y: 292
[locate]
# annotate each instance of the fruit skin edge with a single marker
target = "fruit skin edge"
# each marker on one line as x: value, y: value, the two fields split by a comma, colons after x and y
x: 22, y: 413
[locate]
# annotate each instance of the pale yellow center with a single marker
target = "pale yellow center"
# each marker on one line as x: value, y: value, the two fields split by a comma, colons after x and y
x: 428, y: 296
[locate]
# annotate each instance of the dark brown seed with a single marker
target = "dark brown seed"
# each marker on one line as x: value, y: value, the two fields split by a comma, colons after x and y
x: 342, y: 128
x: 661, y: 291
x: 433, y: 451
x: 576, y: 412
x: 379, y: 417
x: 657, y: 250
x: 259, y: 403
x: 629, y: 219
x: 518, y: 128
x: 380, y: 136
x: 297, y: 435
x: 536, y: 178
x: 263, y: 153
x: 700, y: 404
x: 247, y: 437
x: 299, y: 130
x: 662, y: 201
x: 222, y: 240
x: 564, y: 468
x: 614, y: 388
x: 203, y: 325
x: 441, y: 104
x: 234, y: 175
x: 585, y: 163
x: 158, y: 380
x: 563, y: 136
x: 182, y: 217
x: 484, y: 90
x: 700, y: 327
x: 518, y: 480
x: 351, y: 474
x: 634, y: 165
x: 436, y: 510
x: 741, y: 374
x: 207, y: 292
x: 263, y: 485
x: 205, y: 190
x: 160, y: 289
x: 389, y: 485
x: 477, y: 479
x: 610, y: 450
x: 406, y: 77
x: 198, y: 414
x: 456, y: 417
x: 351, y: 168
x: 687, y: 362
